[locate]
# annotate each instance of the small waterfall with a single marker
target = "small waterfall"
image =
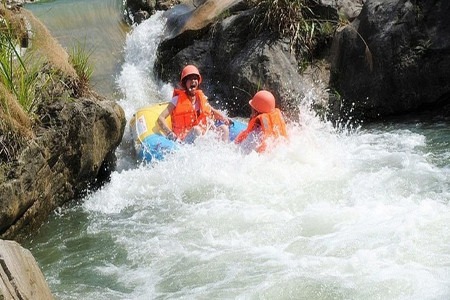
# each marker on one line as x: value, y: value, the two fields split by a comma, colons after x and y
x: 136, y: 80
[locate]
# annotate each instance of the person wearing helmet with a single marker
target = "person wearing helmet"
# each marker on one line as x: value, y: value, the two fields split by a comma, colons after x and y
x: 190, y: 111
x: 266, y: 122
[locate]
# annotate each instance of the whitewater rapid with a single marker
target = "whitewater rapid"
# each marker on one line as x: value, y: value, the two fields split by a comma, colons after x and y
x: 360, y: 214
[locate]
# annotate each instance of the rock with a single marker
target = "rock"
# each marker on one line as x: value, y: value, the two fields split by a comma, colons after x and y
x: 67, y: 148
x: 350, y: 9
x: 140, y: 16
x: 393, y: 59
x: 265, y: 63
x: 165, y: 5
x: 234, y: 61
x: 73, y: 148
x: 20, y: 276
x: 137, y: 11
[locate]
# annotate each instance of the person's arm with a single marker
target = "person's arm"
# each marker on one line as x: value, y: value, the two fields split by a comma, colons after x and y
x: 162, y: 121
x: 218, y: 115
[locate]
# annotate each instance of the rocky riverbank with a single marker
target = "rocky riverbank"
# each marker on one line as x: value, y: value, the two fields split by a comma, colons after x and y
x: 65, y: 145
x: 51, y: 152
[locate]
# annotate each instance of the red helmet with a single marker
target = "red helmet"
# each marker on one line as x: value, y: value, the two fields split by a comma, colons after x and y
x: 189, y: 70
x: 263, y: 102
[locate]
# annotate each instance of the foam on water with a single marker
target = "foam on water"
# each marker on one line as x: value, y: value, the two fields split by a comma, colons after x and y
x: 359, y: 216
x: 136, y: 80
x: 329, y: 215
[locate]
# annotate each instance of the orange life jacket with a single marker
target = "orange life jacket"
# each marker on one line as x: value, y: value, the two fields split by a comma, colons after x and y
x: 184, y: 116
x: 272, y: 126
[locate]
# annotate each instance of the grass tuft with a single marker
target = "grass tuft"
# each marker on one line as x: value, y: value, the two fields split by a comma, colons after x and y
x: 296, y: 20
x: 79, y: 57
x: 14, y: 73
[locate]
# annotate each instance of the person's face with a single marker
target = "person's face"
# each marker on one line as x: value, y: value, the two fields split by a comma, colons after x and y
x: 191, y: 85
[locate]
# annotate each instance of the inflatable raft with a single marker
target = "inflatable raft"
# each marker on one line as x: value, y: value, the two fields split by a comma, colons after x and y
x: 149, y: 140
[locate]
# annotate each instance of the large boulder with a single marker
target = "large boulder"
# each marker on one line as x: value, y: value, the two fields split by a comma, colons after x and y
x: 269, y: 64
x: 20, y: 276
x: 233, y: 59
x: 393, y: 59
x: 74, y: 149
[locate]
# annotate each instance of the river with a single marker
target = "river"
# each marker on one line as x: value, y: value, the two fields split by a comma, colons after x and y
x: 94, y: 25
x: 349, y: 214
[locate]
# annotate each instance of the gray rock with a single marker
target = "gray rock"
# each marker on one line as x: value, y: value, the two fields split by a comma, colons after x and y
x: 20, y: 276
x: 137, y: 11
x: 405, y: 66
x: 74, y: 150
x: 350, y: 9
x: 267, y: 64
x: 234, y: 61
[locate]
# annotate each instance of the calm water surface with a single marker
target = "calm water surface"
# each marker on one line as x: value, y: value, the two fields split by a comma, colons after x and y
x: 95, y: 25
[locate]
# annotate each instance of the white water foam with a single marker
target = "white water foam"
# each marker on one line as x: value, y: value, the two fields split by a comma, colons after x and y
x: 352, y: 215
x: 136, y: 80
x: 359, y: 216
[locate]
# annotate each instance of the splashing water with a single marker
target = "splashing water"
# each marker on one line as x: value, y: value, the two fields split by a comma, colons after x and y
x: 136, y: 80
x: 352, y: 215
